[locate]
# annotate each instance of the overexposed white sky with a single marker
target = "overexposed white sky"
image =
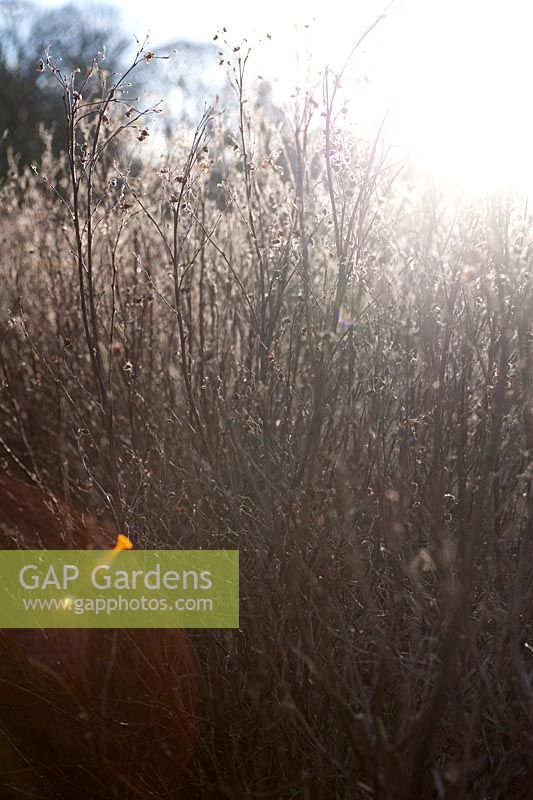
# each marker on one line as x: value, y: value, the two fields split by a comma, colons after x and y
x: 456, y: 74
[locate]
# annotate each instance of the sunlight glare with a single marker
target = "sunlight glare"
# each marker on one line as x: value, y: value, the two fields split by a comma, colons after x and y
x: 460, y: 92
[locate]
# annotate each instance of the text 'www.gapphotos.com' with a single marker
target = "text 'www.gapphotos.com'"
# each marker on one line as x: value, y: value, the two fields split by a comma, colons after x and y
x: 110, y: 605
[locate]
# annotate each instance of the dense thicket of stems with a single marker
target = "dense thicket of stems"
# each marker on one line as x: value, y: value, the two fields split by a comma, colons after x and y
x: 277, y: 340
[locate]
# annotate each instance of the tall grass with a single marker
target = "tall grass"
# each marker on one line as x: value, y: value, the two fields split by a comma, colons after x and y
x: 272, y: 340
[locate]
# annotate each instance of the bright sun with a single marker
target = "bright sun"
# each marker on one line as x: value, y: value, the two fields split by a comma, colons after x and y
x: 456, y: 75
x: 460, y: 82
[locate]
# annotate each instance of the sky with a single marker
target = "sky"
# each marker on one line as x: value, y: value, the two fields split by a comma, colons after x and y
x: 454, y: 75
